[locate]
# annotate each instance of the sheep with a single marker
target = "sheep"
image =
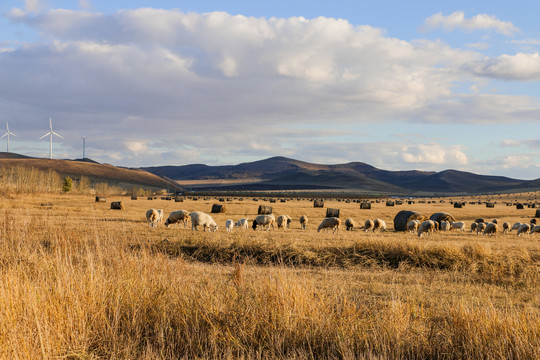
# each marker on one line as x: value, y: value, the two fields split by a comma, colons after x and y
x: 506, y: 227
x: 350, y: 224
x: 412, y: 226
x: 198, y: 218
x: 160, y: 213
x: 152, y: 217
x: 368, y: 225
x: 523, y: 229
x: 458, y: 225
x: 427, y: 226
x: 303, y: 221
x: 535, y: 229
x: 177, y: 216
x: 515, y: 226
x: 283, y: 221
x: 444, y: 226
x: 264, y: 220
x: 495, y: 221
x: 242, y: 223
x: 473, y: 226
x: 480, y: 228
x: 491, y: 228
x: 229, y: 224
x: 330, y: 223
x: 379, y: 224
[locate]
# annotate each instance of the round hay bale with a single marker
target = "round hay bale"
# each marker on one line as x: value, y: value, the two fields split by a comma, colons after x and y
x: 218, y: 208
x: 100, y: 199
x: 133, y: 197
x: 490, y: 205
x: 458, y: 205
x: 332, y: 212
x: 117, y: 205
x: 442, y: 216
x: 150, y: 198
x: 318, y: 203
x: 520, y: 206
x: 264, y: 210
x: 390, y: 203
x: 178, y: 199
x: 537, y: 213
x: 365, y: 205
x: 404, y: 216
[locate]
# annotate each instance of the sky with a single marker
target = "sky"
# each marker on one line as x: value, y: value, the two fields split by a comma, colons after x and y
x: 400, y: 85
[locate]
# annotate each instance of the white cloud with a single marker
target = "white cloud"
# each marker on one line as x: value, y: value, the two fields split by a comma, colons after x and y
x: 35, y: 5
x: 457, y: 20
x: 85, y: 4
x: 434, y: 154
x: 524, y: 67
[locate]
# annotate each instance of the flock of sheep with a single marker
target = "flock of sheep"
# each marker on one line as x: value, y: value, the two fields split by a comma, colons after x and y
x: 200, y: 219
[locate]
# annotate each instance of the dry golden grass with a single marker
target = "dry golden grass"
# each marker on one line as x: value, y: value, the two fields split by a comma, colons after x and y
x: 81, y: 281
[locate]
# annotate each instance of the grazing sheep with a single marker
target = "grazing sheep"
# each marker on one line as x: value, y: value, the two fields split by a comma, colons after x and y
x: 283, y: 221
x: 330, y: 223
x: 303, y: 221
x: 444, y: 226
x: 198, y: 218
x: 523, y: 229
x: 379, y: 224
x: 491, y: 228
x: 495, y: 221
x: 368, y: 225
x: 473, y: 226
x: 535, y: 229
x: 515, y: 226
x: 152, y: 216
x: 242, y: 223
x: 229, y: 224
x: 264, y: 220
x: 350, y: 224
x: 160, y: 213
x: 480, y: 228
x: 506, y: 227
x: 177, y: 216
x: 427, y: 226
x: 458, y: 225
x: 412, y: 226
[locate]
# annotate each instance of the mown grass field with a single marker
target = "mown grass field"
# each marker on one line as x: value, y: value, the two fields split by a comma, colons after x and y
x: 81, y: 281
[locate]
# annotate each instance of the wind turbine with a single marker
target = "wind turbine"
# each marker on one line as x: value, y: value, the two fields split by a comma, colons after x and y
x: 7, y: 134
x: 50, y: 133
x: 83, y: 145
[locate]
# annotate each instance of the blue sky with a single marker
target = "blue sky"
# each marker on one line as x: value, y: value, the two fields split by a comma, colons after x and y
x: 400, y: 85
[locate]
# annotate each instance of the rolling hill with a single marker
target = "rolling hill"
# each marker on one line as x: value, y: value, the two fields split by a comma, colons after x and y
x: 280, y: 173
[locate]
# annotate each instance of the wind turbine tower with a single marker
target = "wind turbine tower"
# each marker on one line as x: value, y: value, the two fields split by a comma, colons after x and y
x: 7, y: 134
x: 83, y: 146
x: 50, y: 133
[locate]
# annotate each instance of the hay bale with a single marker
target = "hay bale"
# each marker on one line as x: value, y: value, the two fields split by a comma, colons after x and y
x: 117, y: 205
x: 272, y: 201
x: 318, y: 203
x: 332, y: 212
x: 365, y: 205
x: 520, y: 206
x: 404, y: 216
x: 221, y: 199
x: 490, y: 205
x: 100, y: 199
x: 264, y: 210
x: 218, y: 208
x: 133, y: 197
x: 390, y: 203
x: 442, y: 216
x: 399, y: 202
x: 178, y: 199
x: 537, y: 213
x: 458, y: 205
x: 150, y: 198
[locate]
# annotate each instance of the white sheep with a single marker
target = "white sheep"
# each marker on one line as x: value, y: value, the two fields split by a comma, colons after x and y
x: 242, y: 223
x: 177, y: 216
x: 350, y: 224
x: 427, y: 226
x: 491, y: 228
x: 379, y: 224
x: 283, y: 221
x: 506, y: 227
x: 412, y: 226
x: 458, y: 225
x: 330, y: 223
x: 535, y: 229
x: 264, y: 220
x: 152, y: 217
x: 303, y: 221
x: 523, y: 229
x: 229, y: 224
x: 444, y: 226
x: 198, y: 218
x: 160, y: 213
x: 515, y: 226
x: 480, y: 227
x: 368, y: 225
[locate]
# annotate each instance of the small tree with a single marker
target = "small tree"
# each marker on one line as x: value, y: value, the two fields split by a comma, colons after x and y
x: 68, y: 184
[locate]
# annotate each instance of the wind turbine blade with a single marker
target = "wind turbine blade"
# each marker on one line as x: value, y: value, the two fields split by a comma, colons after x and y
x: 60, y: 136
x: 3, y: 135
x: 47, y: 134
x: 12, y: 134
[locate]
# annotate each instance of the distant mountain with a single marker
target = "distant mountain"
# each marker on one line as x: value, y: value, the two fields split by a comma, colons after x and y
x: 94, y: 171
x: 288, y: 174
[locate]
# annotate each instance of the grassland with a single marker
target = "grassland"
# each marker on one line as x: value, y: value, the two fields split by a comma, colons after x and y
x: 81, y: 281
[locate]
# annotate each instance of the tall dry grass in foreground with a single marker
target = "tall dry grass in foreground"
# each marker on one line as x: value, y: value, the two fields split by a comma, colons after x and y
x: 84, y: 282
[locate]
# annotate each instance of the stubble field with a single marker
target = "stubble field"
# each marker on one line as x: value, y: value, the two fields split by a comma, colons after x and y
x: 81, y: 281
